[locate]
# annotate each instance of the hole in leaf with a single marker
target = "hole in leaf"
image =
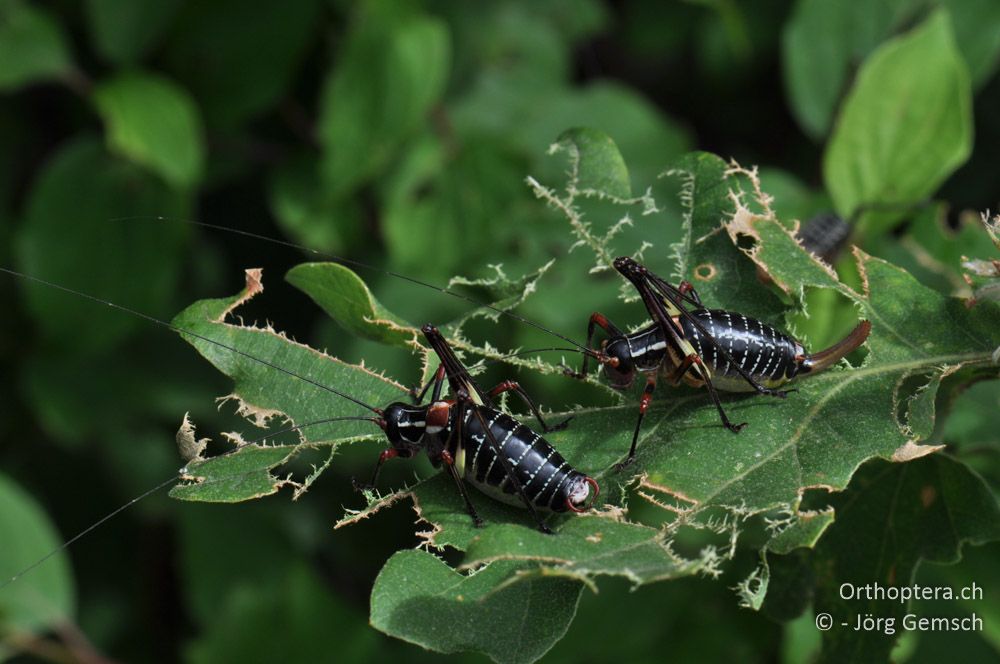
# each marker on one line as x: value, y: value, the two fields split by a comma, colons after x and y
x: 745, y: 242
x: 815, y: 499
x: 906, y: 390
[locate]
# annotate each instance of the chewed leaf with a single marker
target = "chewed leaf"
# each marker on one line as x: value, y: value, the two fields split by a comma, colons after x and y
x: 739, y: 256
x: 596, y: 171
x: 244, y: 474
x: 588, y: 547
x: 597, y: 165
x: 798, y: 529
x: 705, y: 256
x: 777, y: 251
x: 836, y: 420
x: 347, y: 300
x: 419, y: 598
x: 279, y: 379
x: 188, y: 444
x: 983, y: 275
x: 509, y: 292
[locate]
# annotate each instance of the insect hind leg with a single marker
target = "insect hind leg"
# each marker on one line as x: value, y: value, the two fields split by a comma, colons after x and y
x: 514, y: 386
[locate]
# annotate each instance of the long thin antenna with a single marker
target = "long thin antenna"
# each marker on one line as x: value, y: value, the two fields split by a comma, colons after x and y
x: 356, y: 263
x: 181, y: 331
x: 173, y: 478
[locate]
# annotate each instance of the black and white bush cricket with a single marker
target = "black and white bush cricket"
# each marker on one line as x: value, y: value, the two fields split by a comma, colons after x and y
x: 569, y: 496
x: 473, y: 439
x: 714, y: 348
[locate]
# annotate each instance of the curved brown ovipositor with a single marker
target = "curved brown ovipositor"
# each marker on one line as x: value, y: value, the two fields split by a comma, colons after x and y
x: 818, y: 361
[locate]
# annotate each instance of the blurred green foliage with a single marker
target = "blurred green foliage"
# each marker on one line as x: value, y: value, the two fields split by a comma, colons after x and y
x: 400, y: 133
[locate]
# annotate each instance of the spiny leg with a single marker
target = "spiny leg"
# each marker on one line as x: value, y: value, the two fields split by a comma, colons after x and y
x: 735, y: 428
x: 514, y: 386
x: 454, y: 441
x: 647, y: 397
x: 449, y: 463
x: 390, y: 453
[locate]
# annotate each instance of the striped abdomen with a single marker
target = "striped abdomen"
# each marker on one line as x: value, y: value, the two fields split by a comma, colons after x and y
x: 547, y: 479
x: 762, y: 351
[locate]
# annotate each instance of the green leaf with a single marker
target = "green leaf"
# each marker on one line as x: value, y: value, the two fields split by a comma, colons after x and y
x: 123, y: 31
x: 819, y: 45
x: 69, y: 236
x: 707, y: 258
x: 509, y: 618
x: 597, y: 165
x: 392, y: 70
x: 825, y: 38
x: 429, y: 200
x: 279, y: 378
x: 643, y: 134
x: 45, y: 598
x: 587, y: 547
x: 33, y: 46
x: 347, y: 300
x: 155, y: 123
x: 689, y: 474
x: 243, y: 474
x: 891, y: 519
x: 905, y: 126
x: 815, y: 52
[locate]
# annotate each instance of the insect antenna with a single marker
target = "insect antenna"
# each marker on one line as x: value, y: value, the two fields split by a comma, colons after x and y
x: 366, y: 266
x: 182, y: 332
x: 173, y: 478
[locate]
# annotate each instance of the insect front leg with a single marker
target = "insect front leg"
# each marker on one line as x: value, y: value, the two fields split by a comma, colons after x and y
x: 644, y: 401
x: 597, y: 319
x: 513, y: 386
x: 449, y: 462
x: 390, y: 453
